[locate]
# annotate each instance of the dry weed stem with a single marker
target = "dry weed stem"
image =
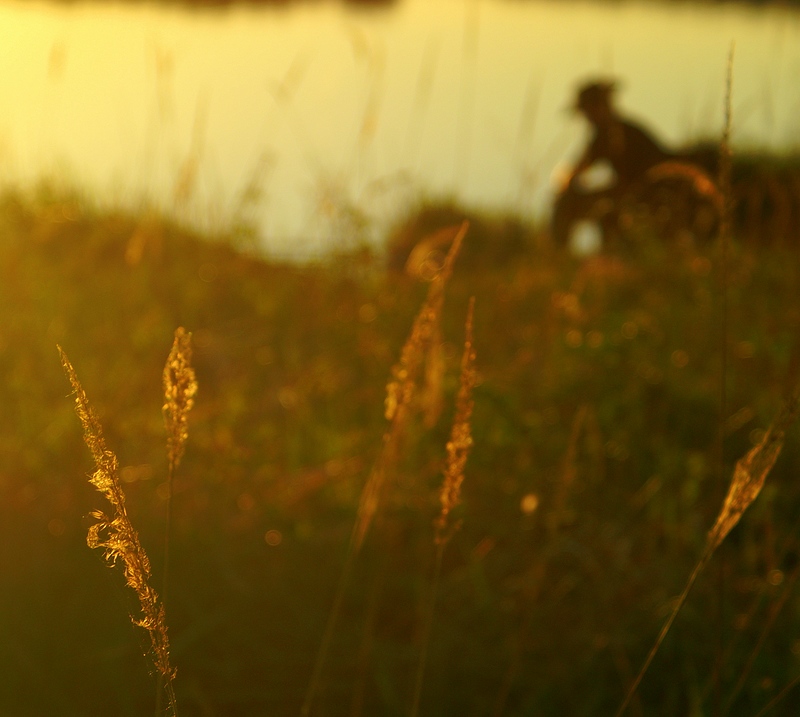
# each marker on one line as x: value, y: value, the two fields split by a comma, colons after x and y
x: 399, y: 394
x: 118, y: 538
x: 748, y: 479
x: 460, y: 442
x: 402, y: 387
x: 750, y: 473
x: 458, y: 448
x: 180, y: 387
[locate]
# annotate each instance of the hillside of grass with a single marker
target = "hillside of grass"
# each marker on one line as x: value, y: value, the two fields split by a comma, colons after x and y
x: 591, y: 485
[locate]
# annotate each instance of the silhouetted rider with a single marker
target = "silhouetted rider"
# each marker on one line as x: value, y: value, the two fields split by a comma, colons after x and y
x: 627, y: 147
x: 635, y: 156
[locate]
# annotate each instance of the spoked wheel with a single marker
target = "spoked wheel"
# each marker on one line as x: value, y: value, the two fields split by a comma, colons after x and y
x: 675, y: 201
x: 679, y: 201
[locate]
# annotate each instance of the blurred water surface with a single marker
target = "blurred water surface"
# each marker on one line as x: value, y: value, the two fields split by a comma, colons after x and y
x: 341, y: 116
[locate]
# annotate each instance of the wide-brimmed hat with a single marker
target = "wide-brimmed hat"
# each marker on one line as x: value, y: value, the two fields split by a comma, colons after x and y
x: 594, y: 93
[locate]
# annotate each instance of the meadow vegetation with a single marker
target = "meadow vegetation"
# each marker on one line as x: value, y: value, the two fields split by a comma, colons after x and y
x: 592, y: 481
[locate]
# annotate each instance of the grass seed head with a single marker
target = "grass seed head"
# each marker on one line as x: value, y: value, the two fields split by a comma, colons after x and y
x: 460, y: 443
x: 180, y: 387
x: 751, y: 471
x: 403, y: 385
x: 118, y: 538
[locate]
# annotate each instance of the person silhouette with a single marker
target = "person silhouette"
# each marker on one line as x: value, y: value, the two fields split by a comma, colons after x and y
x: 628, y: 148
x: 636, y: 158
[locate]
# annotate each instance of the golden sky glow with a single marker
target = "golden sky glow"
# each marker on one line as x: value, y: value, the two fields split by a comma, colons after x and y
x: 462, y: 95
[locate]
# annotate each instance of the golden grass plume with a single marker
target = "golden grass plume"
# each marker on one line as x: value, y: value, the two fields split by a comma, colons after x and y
x: 400, y: 392
x: 751, y: 471
x: 458, y: 448
x: 180, y: 388
x: 749, y: 475
x: 460, y: 443
x: 402, y: 387
x: 118, y: 538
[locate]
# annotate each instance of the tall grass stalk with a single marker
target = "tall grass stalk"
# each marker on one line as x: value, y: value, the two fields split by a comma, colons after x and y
x: 724, y: 180
x: 766, y: 627
x: 180, y: 388
x: 120, y: 541
x: 748, y: 479
x: 400, y: 392
x: 786, y: 588
x: 458, y: 448
x: 402, y: 387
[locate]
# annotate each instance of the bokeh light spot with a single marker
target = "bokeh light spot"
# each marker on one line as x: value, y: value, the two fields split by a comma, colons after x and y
x: 701, y: 266
x: 529, y: 503
x: 679, y: 358
x: 594, y: 339
x: 367, y: 313
x: 273, y: 537
x: 246, y: 502
x: 775, y: 577
x: 574, y: 338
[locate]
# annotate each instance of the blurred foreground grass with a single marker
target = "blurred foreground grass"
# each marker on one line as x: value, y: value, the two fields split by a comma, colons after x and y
x: 588, y: 494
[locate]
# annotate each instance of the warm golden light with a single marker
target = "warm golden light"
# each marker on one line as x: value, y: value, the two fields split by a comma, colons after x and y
x: 186, y: 108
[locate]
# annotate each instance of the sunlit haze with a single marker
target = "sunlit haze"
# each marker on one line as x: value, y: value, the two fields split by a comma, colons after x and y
x: 336, y: 106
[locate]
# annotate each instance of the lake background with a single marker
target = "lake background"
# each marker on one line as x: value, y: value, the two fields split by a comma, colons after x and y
x: 322, y: 123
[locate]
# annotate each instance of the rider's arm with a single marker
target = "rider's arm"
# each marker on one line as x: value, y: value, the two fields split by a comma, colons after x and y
x: 588, y: 158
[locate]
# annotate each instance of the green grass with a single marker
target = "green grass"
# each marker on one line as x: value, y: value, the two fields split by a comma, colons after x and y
x: 598, y: 394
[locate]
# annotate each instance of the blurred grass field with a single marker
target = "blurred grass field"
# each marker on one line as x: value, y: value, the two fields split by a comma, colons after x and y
x: 587, y: 499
